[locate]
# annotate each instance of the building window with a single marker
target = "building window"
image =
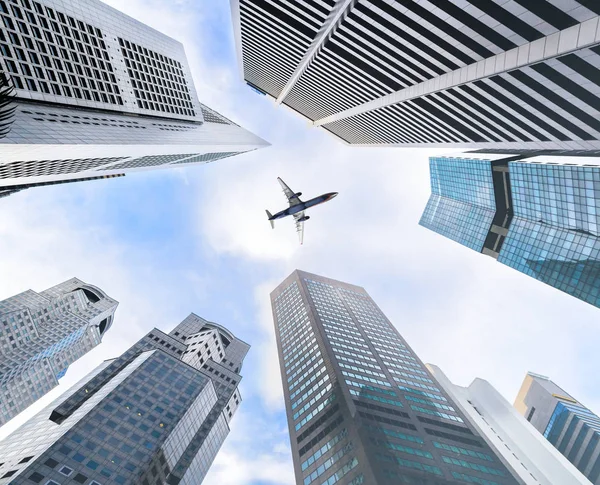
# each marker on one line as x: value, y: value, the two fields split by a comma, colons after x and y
x: 66, y: 471
x: 531, y: 413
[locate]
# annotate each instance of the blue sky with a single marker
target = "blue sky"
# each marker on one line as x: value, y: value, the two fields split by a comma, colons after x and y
x: 168, y: 242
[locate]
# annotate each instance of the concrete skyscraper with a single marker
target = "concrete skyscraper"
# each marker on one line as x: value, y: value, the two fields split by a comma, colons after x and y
x: 570, y: 426
x: 41, y: 334
x: 540, y: 216
x: 530, y: 455
x: 504, y: 74
x: 99, y: 94
x: 157, y: 414
x: 362, y: 408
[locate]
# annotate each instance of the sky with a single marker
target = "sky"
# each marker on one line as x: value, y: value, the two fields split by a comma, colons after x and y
x: 165, y: 243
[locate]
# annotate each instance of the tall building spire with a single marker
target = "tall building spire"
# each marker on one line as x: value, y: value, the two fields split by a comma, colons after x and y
x: 97, y: 95
x: 157, y: 414
x: 41, y: 334
x: 362, y: 407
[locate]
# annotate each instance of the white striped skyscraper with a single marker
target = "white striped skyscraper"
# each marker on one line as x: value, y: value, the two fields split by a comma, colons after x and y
x: 503, y: 74
x: 41, y: 334
x: 99, y: 94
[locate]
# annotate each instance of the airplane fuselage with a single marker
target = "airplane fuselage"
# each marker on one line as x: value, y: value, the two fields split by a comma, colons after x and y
x: 303, y: 206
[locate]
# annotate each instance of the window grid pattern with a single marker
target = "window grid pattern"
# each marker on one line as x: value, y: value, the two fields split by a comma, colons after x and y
x: 41, y: 334
x: 473, y: 466
x: 363, y: 347
x: 461, y: 206
x: 554, y: 237
x: 150, y: 161
x: 324, y: 449
x: 38, y: 168
x: 158, y: 82
x: 47, y: 51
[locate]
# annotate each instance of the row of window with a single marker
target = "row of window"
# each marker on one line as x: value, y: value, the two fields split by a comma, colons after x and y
x: 307, y: 383
x: 327, y: 464
x: 346, y: 350
x: 315, y: 411
x: 463, y: 451
x: 307, y: 372
x: 396, y: 434
x: 404, y: 449
x: 373, y: 397
x: 408, y: 464
x: 430, y: 403
x: 359, y: 369
x: 324, y: 449
x: 312, y: 401
x: 436, y: 413
x: 423, y: 393
x: 365, y: 378
x: 473, y: 466
x: 416, y: 384
x: 299, y: 352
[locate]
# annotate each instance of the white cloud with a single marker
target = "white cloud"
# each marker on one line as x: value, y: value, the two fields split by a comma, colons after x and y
x: 458, y: 309
x: 256, y: 451
x: 46, y: 239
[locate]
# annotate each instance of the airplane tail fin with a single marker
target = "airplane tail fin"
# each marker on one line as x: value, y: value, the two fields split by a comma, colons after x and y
x: 269, y: 215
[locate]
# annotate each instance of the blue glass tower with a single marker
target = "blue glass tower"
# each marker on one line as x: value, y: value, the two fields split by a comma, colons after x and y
x: 537, y: 216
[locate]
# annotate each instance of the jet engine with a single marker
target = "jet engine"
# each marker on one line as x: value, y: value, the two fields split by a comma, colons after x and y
x: 305, y: 218
x: 298, y: 194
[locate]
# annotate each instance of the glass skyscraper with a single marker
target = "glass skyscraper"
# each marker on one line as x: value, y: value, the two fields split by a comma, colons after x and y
x: 362, y: 408
x: 41, y: 334
x: 540, y: 216
x: 502, y: 74
x: 157, y: 414
x: 98, y: 95
x: 565, y: 422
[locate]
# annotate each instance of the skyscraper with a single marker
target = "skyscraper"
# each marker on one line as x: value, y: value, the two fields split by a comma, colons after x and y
x: 540, y: 216
x: 507, y: 74
x: 571, y: 427
x: 528, y: 453
x: 99, y: 94
x: 41, y: 334
x: 157, y: 414
x: 361, y: 406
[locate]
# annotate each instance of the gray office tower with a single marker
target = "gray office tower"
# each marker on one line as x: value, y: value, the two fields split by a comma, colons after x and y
x: 41, y: 334
x: 362, y: 408
x: 157, y: 414
x: 510, y: 74
x: 571, y: 427
x: 99, y: 94
x: 540, y: 216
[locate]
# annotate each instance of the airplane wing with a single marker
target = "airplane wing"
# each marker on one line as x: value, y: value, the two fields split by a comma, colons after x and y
x: 289, y: 193
x: 300, y: 226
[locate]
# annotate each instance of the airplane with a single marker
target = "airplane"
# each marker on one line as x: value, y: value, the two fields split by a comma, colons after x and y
x: 297, y: 208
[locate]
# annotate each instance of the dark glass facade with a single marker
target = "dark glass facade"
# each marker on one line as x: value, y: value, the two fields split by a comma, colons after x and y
x: 362, y: 407
x: 157, y: 414
x: 553, y: 217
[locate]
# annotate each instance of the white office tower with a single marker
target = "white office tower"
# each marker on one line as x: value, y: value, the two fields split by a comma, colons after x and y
x: 41, y: 334
x: 523, y: 449
x: 98, y: 95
